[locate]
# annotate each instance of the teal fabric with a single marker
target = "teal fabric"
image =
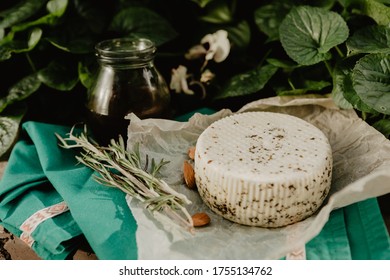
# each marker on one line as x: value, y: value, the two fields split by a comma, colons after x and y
x: 204, y: 111
x: 355, y: 232
x: 39, y: 174
x: 368, y: 236
x: 332, y: 243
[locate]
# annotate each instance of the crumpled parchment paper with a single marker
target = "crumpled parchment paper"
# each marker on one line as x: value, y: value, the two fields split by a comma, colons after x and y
x: 361, y: 170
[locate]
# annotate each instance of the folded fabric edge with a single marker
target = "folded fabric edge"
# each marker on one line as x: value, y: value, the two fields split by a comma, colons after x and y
x: 42, y: 243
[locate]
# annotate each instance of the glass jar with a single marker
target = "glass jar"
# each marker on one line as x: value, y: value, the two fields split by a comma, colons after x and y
x: 127, y: 81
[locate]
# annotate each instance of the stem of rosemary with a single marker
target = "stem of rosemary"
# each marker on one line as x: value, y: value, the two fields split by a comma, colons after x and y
x: 122, y: 169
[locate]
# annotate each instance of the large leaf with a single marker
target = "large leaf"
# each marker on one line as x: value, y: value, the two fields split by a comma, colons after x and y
x: 21, y: 90
x: 340, y: 75
x: 343, y: 91
x: 269, y: 17
x: 308, y: 33
x: 9, y: 128
x: 377, y: 11
x: 248, y: 83
x: 372, y: 39
x: 20, y: 12
x: 137, y: 22
x: 371, y: 80
x: 18, y: 46
x: 59, y: 76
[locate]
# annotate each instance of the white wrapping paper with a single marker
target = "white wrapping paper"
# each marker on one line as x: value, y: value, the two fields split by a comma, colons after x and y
x: 361, y: 170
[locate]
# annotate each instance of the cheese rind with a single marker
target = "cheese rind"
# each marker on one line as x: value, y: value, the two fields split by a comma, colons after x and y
x: 263, y: 169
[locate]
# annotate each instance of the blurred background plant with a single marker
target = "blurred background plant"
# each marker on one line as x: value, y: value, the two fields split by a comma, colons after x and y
x: 325, y: 47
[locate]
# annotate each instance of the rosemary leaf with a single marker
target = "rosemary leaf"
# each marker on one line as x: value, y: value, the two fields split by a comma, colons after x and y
x: 123, y: 169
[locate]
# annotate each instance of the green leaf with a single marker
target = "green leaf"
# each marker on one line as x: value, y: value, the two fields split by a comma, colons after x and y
x: 383, y: 126
x: 18, y: 46
x: 140, y: 22
x: 85, y: 75
x: 343, y: 87
x: 248, y: 83
x: 57, y: 7
x: 371, y: 80
x: 202, y: 3
x: 240, y: 34
x: 372, y: 39
x: 308, y: 86
x: 269, y: 17
x: 285, y: 64
x: 59, y: 76
x: 73, y: 35
x: 20, y: 91
x: 5, y: 52
x: 347, y: 3
x: 20, y: 12
x: 340, y: 73
x: 76, y: 45
x: 308, y: 33
x: 284, y: 92
x: 377, y: 11
x: 9, y: 128
x: 34, y: 38
x: 340, y: 101
x: 217, y: 12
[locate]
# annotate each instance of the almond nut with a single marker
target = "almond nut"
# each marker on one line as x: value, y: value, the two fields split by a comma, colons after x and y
x: 191, y: 153
x: 200, y: 219
x: 189, y: 175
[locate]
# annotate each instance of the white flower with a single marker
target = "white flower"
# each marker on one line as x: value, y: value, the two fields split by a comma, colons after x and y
x: 179, y: 80
x: 218, y: 47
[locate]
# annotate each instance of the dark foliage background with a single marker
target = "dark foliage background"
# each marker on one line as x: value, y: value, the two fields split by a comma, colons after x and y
x: 277, y: 48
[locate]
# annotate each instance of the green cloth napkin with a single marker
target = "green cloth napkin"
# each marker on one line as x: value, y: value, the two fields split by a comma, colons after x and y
x: 39, y: 173
x: 355, y: 232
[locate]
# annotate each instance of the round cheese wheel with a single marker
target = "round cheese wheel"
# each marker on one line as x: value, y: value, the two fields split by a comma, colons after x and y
x: 263, y: 169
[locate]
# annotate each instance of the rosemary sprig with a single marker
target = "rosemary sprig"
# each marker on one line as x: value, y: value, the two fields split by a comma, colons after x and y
x: 123, y: 169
